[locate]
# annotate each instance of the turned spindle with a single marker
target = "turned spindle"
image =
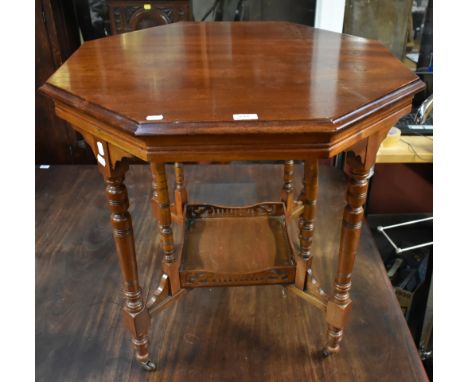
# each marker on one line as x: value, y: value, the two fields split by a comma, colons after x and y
x: 287, y: 192
x: 340, y: 304
x: 162, y: 211
x: 309, y: 200
x: 180, y: 191
x: 136, y: 315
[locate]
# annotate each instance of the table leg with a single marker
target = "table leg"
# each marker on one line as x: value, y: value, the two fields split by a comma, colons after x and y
x: 136, y: 315
x: 306, y: 285
x: 162, y: 210
x: 287, y: 193
x: 309, y: 200
x: 339, y: 305
x: 180, y: 191
x: 305, y: 281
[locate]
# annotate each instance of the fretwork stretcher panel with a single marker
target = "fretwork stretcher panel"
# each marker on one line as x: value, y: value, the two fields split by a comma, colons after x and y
x: 228, y: 246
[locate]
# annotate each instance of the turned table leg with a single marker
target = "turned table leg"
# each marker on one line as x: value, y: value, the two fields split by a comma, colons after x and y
x: 180, y: 191
x: 306, y: 221
x: 339, y: 305
x: 309, y: 200
x: 136, y: 315
x: 287, y: 193
x: 162, y: 211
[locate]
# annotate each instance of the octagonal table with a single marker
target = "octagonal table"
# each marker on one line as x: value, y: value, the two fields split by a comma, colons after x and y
x: 233, y: 91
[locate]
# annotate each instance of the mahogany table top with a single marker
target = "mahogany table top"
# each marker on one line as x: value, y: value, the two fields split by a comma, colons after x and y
x: 193, y: 78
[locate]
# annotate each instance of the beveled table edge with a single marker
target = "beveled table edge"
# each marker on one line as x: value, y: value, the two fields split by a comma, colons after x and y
x: 326, y: 125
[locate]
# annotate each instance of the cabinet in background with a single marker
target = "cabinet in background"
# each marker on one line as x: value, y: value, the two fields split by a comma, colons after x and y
x: 130, y: 15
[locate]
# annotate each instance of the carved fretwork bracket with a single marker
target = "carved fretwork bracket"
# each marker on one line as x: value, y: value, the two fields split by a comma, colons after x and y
x: 363, y: 154
x: 197, y: 279
x: 111, y: 159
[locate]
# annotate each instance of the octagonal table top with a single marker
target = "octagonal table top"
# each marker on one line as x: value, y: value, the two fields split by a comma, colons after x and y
x: 226, y: 77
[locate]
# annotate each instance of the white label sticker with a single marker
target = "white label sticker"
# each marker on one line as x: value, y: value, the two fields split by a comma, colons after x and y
x: 101, y: 160
x: 158, y: 117
x: 100, y: 148
x: 244, y: 117
x: 44, y: 166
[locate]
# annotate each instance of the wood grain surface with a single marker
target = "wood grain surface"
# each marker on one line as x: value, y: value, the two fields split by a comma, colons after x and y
x: 220, y: 334
x: 198, y: 75
x: 225, y: 245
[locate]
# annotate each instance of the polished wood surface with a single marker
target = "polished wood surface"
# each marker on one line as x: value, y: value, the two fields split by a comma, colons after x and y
x: 130, y: 15
x: 220, y: 334
x: 236, y: 245
x: 297, y: 79
x: 316, y: 93
x: 136, y: 316
x: 287, y: 193
x: 162, y: 212
x: 339, y: 305
x: 180, y: 191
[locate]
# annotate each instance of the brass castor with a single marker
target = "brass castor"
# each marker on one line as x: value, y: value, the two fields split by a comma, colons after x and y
x: 148, y: 365
x: 327, y: 351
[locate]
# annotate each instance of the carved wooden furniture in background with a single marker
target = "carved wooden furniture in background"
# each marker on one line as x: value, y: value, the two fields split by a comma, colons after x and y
x: 131, y: 15
x: 57, y: 37
x: 234, y: 91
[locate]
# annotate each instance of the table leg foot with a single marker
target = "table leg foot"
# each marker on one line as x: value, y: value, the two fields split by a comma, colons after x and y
x: 334, y: 338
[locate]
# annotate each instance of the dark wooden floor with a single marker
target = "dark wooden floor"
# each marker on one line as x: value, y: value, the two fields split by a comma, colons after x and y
x: 219, y: 334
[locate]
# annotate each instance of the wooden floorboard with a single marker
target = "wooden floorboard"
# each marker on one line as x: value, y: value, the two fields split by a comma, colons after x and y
x: 219, y: 334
